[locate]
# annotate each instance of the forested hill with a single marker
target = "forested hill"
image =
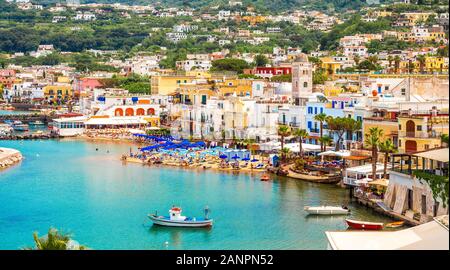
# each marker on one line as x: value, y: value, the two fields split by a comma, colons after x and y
x: 260, y: 5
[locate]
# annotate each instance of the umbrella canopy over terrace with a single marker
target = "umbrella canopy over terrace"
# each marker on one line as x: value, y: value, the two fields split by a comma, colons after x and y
x: 335, y: 153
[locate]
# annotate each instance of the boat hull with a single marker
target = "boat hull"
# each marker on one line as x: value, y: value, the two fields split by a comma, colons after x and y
x: 161, y: 221
x: 361, y: 225
x: 321, y: 211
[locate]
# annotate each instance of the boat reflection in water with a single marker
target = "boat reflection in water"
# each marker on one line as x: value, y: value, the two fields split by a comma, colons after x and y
x: 176, y: 237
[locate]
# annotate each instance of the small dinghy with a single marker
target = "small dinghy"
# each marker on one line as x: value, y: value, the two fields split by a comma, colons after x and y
x: 364, y: 225
x: 395, y: 224
x: 175, y: 219
x: 265, y: 177
x: 327, y: 210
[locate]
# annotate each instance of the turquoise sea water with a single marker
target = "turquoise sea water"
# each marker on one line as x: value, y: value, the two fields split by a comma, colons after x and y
x: 69, y: 185
x: 4, y: 112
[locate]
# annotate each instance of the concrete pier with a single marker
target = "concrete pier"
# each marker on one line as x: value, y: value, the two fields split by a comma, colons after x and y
x: 9, y: 157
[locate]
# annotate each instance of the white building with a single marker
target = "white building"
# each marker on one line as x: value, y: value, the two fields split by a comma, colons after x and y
x: 85, y: 16
x: 194, y: 64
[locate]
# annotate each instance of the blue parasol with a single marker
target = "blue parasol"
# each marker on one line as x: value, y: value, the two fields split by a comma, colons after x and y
x: 235, y: 157
x: 223, y: 156
x: 254, y: 160
x: 245, y: 159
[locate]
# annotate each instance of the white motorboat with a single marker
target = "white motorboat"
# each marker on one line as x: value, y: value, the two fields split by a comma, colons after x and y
x: 37, y: 123
x: 175, y: 219
x: 327, y: 210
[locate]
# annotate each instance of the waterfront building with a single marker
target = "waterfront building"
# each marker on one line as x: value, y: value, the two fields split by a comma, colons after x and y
x: 410, y: 196
x: 69, y: 126
x: 360, y: 175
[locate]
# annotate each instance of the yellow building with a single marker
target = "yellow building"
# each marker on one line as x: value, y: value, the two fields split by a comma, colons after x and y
x: 154, y: 121
x: 167, y: 84
x: 253, y: 20
x: 414, y: 17
x: 420, y: 132
x: 437, y: 36
x: 240, y: 87
x: 58, y: 91
x: 432, y: 64
x: 195, y: 94
x: 63, y: 79
x: 330, y: 65
x: 388, y: 124
x: 435, y: 64
x: 235, y: 119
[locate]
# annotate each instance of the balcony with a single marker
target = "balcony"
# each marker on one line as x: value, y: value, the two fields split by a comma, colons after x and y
x: 419, y: 134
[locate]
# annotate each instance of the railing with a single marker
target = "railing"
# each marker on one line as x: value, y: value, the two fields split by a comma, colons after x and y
x: 419, y: 134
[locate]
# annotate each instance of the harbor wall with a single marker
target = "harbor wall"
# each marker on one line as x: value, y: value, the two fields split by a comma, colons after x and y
x: 9, y: 157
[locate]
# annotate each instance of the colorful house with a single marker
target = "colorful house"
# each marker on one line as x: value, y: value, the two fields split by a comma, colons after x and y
x: 58, y: 91
x: 421, y: 131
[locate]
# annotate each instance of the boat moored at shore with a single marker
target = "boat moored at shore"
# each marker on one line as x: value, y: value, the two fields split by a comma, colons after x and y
x: 364, y: 225
x: 327, y: 210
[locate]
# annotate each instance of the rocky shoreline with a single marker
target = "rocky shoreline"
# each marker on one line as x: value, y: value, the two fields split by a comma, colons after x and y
x: 9, y: 157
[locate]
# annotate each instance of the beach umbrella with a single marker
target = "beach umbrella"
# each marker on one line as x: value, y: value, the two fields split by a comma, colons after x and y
x: 223, y: 156
x: 235, y: 157
x: 254, y: 160
x: 246, y: 159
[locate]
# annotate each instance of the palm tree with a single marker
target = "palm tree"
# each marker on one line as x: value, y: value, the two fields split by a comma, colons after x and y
x: 372, y: 141
x: 421, y: 59
x: 300, y: 134
x: 357, y: 59
x: 283, y: 131
x: 410, y: 67
x: 325, y: 141
x: 397, y: 61
x: 55, y: 240
x: 390, y: 59
x: 285, y: 152
x: 373, y: 59
x: 321, y: 117
x: 386, y: 147
x: 444, y: 140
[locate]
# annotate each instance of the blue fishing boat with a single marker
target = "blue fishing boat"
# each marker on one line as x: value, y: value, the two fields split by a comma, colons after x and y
x: 175, y: 219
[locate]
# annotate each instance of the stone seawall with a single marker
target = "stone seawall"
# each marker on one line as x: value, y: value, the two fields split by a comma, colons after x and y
x: 9, y: 157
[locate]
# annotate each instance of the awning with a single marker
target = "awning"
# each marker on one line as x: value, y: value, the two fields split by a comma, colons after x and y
x: 335, y: 154
x: 438, y: 154
x: 380, y: 182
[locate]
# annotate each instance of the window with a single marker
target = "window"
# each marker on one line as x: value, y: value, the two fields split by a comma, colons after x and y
x: 321, y: 110
x: 399, y: 127
x: 315, y: 110
x: 305, y: 84
x: 403, y: 91
x: 426, y: 146
x: 399, y: 143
